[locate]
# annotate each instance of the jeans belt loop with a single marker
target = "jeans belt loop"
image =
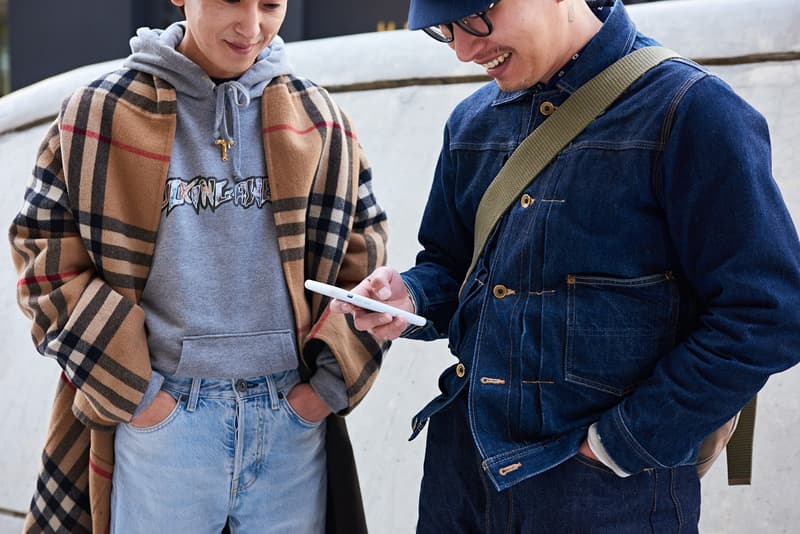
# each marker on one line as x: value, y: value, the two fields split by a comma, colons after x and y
x: 272, y: 387
x: 194, y: 395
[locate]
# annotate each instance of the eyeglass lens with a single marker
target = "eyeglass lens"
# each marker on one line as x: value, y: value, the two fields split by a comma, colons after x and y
x: 477, y: 25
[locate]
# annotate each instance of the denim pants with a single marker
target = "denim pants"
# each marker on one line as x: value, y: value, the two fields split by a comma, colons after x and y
x: 232, y: 450
x: 579, y: 496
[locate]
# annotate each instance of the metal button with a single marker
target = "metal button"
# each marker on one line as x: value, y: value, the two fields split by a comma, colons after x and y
x: 461, y: 370
x: 500, y: 291
x: 241, y: 385
x: 526, y: 200
x: 547, y: 108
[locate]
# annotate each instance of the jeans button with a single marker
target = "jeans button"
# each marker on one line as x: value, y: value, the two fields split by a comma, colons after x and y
x: 241, y: 385
x: 461, y: 370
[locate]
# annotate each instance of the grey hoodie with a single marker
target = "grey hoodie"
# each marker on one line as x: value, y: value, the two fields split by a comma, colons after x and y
x: 216, y: 303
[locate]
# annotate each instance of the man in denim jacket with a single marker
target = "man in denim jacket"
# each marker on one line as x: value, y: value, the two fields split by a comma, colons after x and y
x: 634, y: 298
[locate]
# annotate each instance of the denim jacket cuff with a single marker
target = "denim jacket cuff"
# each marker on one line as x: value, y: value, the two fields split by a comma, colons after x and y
x: 621, y: 445
x: 427, y: 332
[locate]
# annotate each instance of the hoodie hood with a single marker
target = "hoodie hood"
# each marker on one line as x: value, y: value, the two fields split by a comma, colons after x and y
x: 155, y: 52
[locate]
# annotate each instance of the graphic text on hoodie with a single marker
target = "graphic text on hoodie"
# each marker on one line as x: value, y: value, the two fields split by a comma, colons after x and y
x: 209, y: 193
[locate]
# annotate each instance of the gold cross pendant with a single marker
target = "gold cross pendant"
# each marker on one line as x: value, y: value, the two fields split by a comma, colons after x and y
x: 224, y: 146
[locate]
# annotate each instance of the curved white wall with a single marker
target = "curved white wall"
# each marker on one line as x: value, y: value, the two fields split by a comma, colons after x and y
x: 400, y: 129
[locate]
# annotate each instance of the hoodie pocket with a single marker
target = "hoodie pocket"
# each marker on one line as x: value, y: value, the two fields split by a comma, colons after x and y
x: 237, y: 355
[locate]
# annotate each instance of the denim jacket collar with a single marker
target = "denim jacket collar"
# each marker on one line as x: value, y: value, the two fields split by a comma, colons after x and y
x: 614, y: 40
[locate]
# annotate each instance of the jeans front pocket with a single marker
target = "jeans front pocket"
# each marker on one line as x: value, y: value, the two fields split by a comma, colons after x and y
x: 297, y: 418
x: 165, y: 421
x: 617, y: 329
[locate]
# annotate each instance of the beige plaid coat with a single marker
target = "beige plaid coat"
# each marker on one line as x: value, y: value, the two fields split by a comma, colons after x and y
x: 83, y: 244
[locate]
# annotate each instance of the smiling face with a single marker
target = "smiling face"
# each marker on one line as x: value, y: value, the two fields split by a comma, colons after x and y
x: 224, y: 37
x: 530, y: 41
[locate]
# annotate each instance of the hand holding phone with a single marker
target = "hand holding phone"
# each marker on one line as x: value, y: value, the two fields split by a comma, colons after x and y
x: 363, y: 302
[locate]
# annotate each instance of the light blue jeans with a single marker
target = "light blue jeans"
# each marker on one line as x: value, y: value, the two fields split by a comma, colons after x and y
x: 231, y: 450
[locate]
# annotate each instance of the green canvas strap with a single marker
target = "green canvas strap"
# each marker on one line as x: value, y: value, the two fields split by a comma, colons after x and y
x: 546, y: 141
x: 739, y: 450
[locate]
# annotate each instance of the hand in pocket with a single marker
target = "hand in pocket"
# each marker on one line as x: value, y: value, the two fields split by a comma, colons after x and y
x: 307, y: 404
x: 584, y: 450
x: 159, y: 409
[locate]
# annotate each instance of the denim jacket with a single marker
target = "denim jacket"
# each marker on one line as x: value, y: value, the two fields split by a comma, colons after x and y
x: 648, y: 280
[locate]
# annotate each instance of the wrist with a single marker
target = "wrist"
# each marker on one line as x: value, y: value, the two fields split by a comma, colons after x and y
x: 410, y: 297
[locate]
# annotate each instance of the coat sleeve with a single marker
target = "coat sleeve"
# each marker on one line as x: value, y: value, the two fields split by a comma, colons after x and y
x: 95, y: 333
x: 366, y: 249
x: 358, y: 354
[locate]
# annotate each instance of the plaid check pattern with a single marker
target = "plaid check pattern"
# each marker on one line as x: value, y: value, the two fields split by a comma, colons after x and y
x: 83, y: 244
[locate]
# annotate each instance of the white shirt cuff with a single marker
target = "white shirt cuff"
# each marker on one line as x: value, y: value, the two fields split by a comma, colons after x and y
x: 596, y: 445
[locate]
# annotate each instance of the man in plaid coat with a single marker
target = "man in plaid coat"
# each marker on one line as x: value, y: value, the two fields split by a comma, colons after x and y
x: 175, y: 209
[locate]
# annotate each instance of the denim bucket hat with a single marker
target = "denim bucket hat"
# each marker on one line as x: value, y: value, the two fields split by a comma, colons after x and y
x: 424, y: 13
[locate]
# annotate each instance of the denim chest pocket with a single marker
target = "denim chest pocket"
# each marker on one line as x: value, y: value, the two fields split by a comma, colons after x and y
x: 617, y: 329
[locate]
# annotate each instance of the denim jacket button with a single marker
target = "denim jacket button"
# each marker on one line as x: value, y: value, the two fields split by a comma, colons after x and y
x: 526, y: 200
x: 547, y: 108
x: 461, y: 370
x: 500, y: 291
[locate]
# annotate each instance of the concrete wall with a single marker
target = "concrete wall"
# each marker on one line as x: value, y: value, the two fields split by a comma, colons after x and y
x: 755, y: 46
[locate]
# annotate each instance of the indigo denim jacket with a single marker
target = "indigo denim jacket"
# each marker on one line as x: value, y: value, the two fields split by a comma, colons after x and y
x: 648, y: 279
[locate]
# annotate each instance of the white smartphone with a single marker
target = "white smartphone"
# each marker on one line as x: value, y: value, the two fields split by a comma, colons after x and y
x: 363, y: 302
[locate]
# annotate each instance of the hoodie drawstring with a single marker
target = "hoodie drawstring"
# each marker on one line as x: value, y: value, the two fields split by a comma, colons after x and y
x: 231, y: 97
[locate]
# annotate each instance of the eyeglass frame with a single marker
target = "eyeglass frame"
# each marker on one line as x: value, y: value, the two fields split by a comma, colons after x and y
x: 484, y: 15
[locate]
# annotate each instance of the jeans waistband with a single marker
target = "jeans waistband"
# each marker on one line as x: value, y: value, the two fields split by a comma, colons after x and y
x: 233, y: 388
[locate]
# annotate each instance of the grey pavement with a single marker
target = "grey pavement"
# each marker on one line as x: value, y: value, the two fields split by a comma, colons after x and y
x: 401, y: 129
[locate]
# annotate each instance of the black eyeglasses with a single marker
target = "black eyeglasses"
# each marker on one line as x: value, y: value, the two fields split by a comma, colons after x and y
x: 477, y: 24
